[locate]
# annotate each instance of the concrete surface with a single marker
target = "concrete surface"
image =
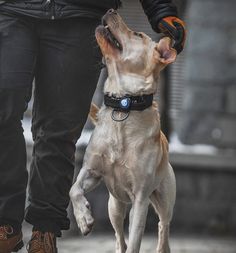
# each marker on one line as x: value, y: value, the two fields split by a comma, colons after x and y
x: 105, y: 243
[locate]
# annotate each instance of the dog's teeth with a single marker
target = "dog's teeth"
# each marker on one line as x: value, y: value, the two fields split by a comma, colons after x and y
x: 106, y: 26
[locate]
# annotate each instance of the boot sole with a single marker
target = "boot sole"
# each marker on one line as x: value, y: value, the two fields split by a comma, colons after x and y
x: 18, y: 246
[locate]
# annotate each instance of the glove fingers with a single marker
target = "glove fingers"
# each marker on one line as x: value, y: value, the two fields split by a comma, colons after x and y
x: 180, y: 34
x: 174, y: 28
x: 180, y: 38
x: 168, y: 29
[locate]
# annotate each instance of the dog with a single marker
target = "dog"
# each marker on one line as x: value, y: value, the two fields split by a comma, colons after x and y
x: 127, y: 148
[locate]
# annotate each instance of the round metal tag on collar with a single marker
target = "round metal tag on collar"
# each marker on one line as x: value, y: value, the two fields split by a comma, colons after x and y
x: 116, y: 115
x: 125, y: 103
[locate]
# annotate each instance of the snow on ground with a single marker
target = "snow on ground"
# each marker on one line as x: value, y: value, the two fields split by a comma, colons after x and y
x: 176, y: 146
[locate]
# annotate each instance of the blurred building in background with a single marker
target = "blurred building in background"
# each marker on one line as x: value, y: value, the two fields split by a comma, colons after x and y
x: 197, y: 98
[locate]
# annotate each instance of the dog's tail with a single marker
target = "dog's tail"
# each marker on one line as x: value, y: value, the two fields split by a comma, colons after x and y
x: 93, y: 113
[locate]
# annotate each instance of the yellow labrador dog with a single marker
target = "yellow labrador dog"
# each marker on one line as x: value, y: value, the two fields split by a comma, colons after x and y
x: 127, y: 148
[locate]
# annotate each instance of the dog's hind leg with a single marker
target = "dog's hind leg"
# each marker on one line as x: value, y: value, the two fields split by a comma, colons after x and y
x: 85, y: 182
x: 117, y: 213
x: 163, y: 201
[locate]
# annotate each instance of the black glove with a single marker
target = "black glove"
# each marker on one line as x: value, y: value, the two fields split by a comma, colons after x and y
x: 174, y: 28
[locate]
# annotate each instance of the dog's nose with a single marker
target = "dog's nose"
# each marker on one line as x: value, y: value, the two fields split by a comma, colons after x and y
x: 111, y: 11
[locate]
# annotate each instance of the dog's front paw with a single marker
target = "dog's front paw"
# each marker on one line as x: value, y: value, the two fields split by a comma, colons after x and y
x: 84, y: 217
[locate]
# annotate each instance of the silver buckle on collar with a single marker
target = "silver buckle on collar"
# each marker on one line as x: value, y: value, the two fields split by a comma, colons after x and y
x: 125, y: 103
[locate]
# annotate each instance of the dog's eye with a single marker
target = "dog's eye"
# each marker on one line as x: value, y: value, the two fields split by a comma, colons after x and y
x: 138, y: 34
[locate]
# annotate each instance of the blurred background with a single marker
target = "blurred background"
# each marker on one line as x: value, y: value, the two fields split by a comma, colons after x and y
x: 197, y: 98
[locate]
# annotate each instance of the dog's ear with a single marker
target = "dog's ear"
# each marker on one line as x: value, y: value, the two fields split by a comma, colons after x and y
x: 167, y: 54
x: 93, y: 113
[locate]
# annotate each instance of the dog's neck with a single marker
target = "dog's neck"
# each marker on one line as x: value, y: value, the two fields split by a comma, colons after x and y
x: 121, y: 84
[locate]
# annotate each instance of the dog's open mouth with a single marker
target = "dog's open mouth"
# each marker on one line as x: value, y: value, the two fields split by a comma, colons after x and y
x: 111, y: 38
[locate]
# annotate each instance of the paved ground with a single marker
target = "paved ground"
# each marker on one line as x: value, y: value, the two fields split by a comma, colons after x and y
x: 105, y: 244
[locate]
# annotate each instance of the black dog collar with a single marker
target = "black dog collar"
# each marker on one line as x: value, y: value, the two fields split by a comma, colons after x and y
x: 128, y: 103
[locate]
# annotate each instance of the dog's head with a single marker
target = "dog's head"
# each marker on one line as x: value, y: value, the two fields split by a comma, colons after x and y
x: 133, y: 60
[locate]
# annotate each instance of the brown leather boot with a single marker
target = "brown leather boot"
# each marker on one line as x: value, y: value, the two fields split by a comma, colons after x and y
x: 9, y: 242
x: 42, y: 243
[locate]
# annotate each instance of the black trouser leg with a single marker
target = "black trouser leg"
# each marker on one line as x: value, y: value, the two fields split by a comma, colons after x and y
x: 17, y: 59
x: 66, y: 77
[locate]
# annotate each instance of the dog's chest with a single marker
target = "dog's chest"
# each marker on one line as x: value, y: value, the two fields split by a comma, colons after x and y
x: 124, y: 173
x: 124, y: 155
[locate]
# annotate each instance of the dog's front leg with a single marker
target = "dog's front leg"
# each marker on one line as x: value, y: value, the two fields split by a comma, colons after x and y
x: 117, y: 212
x: 85, y: 182
x: 140, y: 209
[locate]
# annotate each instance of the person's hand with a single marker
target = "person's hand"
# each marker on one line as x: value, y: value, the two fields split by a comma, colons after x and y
x: 174, y: 28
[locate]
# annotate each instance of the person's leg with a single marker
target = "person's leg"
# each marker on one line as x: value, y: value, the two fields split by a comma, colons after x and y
x: 17, y: 58
x: 67, y: 73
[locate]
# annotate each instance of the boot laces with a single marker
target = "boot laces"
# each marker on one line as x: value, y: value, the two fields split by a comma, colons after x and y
x: 44, y: 241
x: 5, y: 231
